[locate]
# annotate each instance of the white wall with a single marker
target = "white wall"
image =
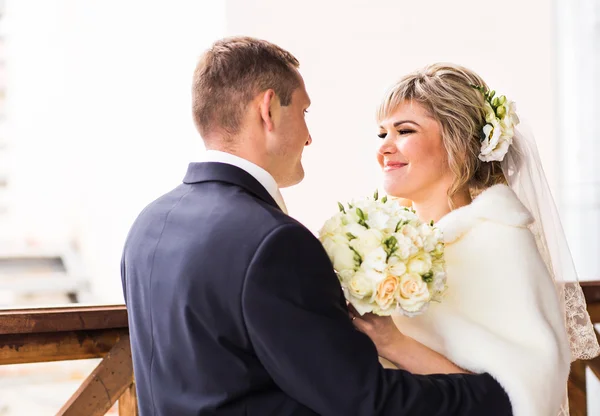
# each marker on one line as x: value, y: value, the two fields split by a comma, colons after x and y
x: 101, y: 117
x: 351, y: 51
x: 579, y: 144
x: 100, y: 107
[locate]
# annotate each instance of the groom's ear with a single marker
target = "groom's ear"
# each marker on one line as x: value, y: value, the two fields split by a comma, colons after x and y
x: 269, y: 108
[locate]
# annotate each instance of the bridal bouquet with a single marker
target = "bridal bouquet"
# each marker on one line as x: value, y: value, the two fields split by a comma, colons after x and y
x: 386, y: 259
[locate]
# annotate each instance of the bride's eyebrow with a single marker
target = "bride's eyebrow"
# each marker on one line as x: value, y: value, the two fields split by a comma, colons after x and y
x: 400, y: 122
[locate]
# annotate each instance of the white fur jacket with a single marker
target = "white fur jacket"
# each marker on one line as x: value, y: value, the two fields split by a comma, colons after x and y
x: 501, y: 314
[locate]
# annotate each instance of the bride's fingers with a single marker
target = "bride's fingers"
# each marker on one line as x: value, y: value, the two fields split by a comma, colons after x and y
x: 352, y: 310
x: 360, y: 325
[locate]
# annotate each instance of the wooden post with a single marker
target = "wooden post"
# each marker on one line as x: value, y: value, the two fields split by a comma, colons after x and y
x: 108, y: 382
x: 128, y: 402
x: 577, y: 389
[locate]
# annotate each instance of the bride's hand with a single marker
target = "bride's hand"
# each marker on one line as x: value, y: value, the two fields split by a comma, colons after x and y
x: 381, y: 329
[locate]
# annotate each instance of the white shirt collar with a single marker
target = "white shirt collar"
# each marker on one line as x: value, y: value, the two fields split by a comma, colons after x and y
x: 261, y: 175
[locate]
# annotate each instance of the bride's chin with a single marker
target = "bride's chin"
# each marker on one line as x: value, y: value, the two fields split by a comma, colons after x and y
x: 393, y: 189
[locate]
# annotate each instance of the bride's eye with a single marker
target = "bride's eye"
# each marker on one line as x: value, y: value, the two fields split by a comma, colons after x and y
x: 407, y: 131
x: 382, y: 135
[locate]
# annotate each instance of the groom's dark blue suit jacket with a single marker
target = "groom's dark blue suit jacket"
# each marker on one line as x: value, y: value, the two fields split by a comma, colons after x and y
x: 234, y: 309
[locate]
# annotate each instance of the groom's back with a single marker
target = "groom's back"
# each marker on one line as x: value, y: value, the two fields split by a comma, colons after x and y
x: 183, y: 272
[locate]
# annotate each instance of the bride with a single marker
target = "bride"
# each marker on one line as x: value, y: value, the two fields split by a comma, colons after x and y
x: 455, y: 153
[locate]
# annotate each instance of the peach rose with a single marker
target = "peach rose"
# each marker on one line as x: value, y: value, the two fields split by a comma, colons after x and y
x: 386, y: 291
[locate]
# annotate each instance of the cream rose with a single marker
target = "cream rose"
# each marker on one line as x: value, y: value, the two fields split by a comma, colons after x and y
x: 413, y: 293
x: 386, y: 292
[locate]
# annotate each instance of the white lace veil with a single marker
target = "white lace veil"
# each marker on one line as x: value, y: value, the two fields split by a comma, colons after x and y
x: 523, y: 170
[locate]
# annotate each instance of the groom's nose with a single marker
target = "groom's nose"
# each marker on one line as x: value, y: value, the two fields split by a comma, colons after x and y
x: 309, y: 141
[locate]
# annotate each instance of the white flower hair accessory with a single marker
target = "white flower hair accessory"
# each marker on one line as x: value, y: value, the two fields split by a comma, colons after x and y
x: 498, y: 132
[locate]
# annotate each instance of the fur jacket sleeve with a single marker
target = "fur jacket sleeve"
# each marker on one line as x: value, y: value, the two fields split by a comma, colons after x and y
x: 501, y: 314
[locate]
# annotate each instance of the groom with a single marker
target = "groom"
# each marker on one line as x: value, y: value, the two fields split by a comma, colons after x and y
x: 234, y: 308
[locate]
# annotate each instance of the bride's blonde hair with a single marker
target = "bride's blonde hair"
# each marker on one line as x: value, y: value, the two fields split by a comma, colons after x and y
x: 446, y: 91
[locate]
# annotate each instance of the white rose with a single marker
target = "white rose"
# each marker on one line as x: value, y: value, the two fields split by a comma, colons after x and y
x: 420, y: 264
x: 368, y: 240
x: 355, y: 229
x: 340, y: 254
x: 345, y: 275
x: 362, y: 306
x: 360, y: 286
x: 413, y: 293
x: 332, y: 226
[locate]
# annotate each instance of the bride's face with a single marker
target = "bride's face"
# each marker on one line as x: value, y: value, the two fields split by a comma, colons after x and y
x: 412, y: 155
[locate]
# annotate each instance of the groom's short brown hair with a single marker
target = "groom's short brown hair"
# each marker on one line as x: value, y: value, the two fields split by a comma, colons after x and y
x: 230, y: 74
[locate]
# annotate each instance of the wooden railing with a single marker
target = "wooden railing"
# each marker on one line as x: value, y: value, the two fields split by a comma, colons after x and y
x: 73, y: 333
x: 577, y: 382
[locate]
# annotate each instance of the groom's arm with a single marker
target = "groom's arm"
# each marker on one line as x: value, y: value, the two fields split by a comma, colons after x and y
x: 301, y: 332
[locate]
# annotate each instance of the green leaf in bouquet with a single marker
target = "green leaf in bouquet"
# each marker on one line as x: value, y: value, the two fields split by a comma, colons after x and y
x: 357, y: 257
x: 391, y: 246
x: 360, y: 213
x: 376, y: 195
x: 362, y: 218
x: 341, y: 207
x: 384, y: 199
x: 351, y: 236
x: 427, y: 277
x: 431, y: 223
x: 350, y: 205
x: 391, y: 241
x: 400, y: 224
